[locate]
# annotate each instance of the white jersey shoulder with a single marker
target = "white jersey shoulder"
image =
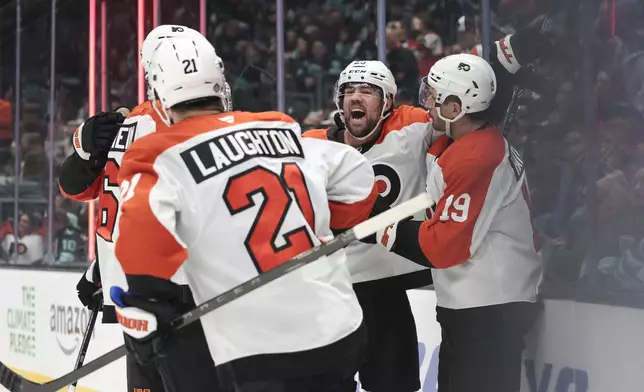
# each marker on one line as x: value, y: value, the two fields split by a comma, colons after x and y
x: 141, y: 122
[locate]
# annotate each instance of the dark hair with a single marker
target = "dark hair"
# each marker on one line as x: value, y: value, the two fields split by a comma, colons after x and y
x: 208, y: 103
x: 484, y: 115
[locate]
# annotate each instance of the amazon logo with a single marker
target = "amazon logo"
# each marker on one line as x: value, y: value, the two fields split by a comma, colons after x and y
x: 68, y: 323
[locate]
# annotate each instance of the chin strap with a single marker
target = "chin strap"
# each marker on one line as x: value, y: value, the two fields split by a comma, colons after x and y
x: 449, y: 121
x: 163, y: 113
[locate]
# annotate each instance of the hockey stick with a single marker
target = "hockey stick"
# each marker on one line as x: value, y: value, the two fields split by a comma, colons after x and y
x: 362, y: 230
x: 511, y: 111
x: 85, y: 343
x: 12, y: 380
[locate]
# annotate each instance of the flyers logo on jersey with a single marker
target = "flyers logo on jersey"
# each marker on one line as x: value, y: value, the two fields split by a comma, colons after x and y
x: 387, y: 182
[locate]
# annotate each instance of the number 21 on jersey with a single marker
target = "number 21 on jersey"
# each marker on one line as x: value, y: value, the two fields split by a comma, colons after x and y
x: 276, y: 202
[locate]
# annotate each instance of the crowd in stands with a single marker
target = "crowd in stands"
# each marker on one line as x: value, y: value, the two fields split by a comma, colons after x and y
x: 585, y: 166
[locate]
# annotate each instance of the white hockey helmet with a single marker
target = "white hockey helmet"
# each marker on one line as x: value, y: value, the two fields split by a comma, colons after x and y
x: 162, y: 32
x: 466, y: 76
x: 374, y: 73
x: 153, y: 39
x: 184, y: 70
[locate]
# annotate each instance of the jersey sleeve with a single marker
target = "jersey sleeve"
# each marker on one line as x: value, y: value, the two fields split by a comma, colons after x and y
x: 316, y: 134
x: 473, y: 193
x: 148, y: 244
x: 79, y: 182
x: 351, y: 187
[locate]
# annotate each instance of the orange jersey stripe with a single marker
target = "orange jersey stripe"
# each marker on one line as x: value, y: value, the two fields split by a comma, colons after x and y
x: 94, y: 191
x: 345, y: 216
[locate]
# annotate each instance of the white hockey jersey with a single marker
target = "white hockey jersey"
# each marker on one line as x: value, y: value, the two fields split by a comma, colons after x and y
x: 398, y: 160
x: 231, y: 195
x: 142, y: 121
x: 480, y: 238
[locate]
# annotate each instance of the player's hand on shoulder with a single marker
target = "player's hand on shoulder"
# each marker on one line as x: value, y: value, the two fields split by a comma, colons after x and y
x: 146, y: 323
x: 88, y: 288
x: 94, y: 137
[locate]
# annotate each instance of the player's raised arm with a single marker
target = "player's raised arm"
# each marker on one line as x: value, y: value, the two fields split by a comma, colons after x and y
x: 510, y: 57
x: 81, y: 173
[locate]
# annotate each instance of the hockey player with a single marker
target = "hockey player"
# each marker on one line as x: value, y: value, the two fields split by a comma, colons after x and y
x: 91, y: 172
x: 229, y: 196
x: 480, y: 240
x: 395, y: 141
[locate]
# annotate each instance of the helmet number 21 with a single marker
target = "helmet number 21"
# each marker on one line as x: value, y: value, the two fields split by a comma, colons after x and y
x: 456, y: 209
x: 189, y: 66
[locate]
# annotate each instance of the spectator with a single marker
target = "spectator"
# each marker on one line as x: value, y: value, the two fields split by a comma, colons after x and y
x: 401, y: 61
x: 68, y: 245
x: 467, y: 35
x: 34, y: 166
x: 30, y: 244
x: 368, y: 50
x: 6, y: 115
x: 347, y: 46
x: 622, y: 231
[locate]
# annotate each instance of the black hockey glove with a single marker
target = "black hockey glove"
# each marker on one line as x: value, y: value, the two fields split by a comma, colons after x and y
x: 88, y: 288
x: 146, y: 322
x: 93, y: 138
x: 401, y: 238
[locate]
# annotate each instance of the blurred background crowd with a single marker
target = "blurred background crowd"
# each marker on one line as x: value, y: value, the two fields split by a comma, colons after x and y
x: 579, y: 127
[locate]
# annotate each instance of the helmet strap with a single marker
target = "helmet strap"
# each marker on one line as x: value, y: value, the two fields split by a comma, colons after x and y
x: 449, y: 121
x: 163, y: 112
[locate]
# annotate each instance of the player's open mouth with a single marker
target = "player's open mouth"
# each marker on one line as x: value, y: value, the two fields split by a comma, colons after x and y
x: 358, y: 117
x: 357, y: 113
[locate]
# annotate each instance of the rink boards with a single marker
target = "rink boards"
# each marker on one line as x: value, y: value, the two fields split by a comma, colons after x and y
x: 581, y: 347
